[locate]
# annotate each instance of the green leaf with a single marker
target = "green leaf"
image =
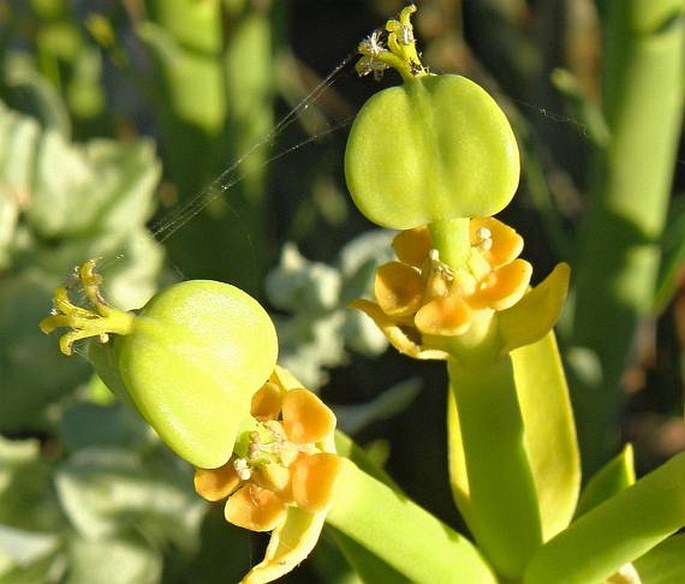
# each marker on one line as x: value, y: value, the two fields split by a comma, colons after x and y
x: 193, y: 81
x: 672, y: 260
x: 616, y: 475
x: 38, y: 95
x: 86, y: 200
x: 25, y: 546
x: 26, y: 499
x: 106, y: 491
x: 506, y: 522
x: 27, y: 388
x: 664, y: 564
x: 103, y: 184
x: 121, y: 560
x: 27, y: 556
x: 320, y: 329
x: 367, y: 565
x: 196, y: 26
x: 550, y: 434
x: 403, y: 535
x: 616, y: 532
x: 456, y: 461
x: 549, y: 437
x: 18, y: 136
x: 299, y: 284
x: 347, y: 448
x: 91, y: 197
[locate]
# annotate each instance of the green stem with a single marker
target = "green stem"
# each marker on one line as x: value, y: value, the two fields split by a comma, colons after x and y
x: 617, y: 264
x: 402, y: 534
x: 452, y: 239
x: 505, y: 516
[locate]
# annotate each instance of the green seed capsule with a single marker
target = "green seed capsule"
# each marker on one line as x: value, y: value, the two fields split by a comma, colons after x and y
x: 436, y: 148
x: 197, y: 353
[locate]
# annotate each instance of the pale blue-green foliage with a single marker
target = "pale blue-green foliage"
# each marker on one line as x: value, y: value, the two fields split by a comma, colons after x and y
x: 105, y: 513
x: 107, y: 508
x: 61, y: 203
x: 320, y: 328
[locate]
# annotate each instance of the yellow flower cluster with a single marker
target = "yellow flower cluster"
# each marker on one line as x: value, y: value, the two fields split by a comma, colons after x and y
x: 285, y: 479
x: 419, y: 299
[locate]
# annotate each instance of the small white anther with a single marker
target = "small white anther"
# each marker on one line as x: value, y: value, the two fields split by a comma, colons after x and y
x: 484, y: 236
x: 483, y: 233
x: 407, y: 35
x: 242, y: 469
x: 371, y: 45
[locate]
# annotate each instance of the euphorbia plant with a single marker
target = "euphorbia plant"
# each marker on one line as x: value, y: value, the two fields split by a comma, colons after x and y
x: 435, y: 158
x: 199, y: 364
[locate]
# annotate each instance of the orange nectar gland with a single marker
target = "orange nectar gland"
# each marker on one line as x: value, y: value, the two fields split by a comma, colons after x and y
x: 289, y: 460
x: 419, y: 297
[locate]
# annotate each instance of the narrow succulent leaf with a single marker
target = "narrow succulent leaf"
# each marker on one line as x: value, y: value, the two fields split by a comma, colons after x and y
x: 617, y: 531
x: 347, y: 448
x: 185, y: 40
x: 664, y: 564
x: 192, y: 25
x: 672, y: 260
x: 417, y: 545
x: 505, y: 522
x: 549, y: 429
x: 616, y: 475
x: 369, y: 567
x: 459, y: 480
x: 557, y: 476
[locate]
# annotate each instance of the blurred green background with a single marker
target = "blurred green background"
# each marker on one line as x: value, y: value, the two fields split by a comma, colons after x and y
x: 178, y: 139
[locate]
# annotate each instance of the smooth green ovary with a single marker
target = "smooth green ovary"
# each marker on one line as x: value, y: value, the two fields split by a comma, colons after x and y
x: 198, y: 353
x: 435, y: 148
